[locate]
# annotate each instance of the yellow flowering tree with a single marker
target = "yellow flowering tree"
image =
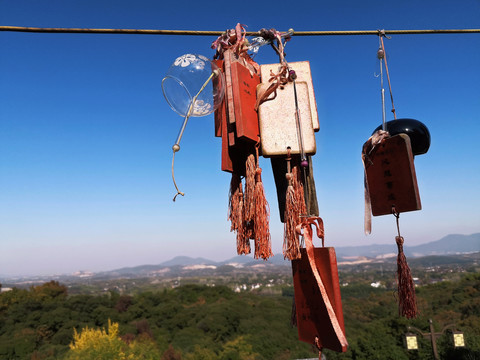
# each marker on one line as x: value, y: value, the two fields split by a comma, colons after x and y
x: 101, y: 344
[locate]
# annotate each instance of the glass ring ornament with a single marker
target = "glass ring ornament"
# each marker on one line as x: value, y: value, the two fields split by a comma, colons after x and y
x: 193, y: 86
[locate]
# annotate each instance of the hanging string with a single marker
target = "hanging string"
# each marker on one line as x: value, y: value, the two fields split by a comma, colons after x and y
x: 173, y: 176
x: 277, y: 41
x: 380, y: 56
x: 176, y: 146
x: 382, y: 46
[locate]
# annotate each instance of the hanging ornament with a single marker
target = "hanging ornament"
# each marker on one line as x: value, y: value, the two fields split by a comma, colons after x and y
x: 194, y: 87
x: 390, y: 179
x: 237, y: 122
x: 317, y: 292
x: 390, y: 175
x: 287, y: 110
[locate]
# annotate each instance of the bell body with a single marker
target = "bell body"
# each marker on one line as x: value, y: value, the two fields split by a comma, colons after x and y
x: 416, y: 131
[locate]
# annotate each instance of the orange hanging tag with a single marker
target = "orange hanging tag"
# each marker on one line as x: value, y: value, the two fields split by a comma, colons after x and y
x: 317, y: 293
x: 236, y: 119
x: 241, y: 97
x: 391, y: 178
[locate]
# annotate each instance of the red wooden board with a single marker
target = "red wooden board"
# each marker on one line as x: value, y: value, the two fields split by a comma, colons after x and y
x: 391, y: 179
x: 227, y: 164
x: 221, y: 111
x: 244, y: 87
x: 312, y: 317
x: 229, y: 58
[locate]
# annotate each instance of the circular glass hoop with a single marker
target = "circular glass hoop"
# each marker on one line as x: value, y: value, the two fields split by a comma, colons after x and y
x: 182, y: 85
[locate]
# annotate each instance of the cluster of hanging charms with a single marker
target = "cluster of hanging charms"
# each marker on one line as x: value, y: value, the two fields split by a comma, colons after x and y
x: 270, y: 110
x: 237, y: 124
x: 390, y: 179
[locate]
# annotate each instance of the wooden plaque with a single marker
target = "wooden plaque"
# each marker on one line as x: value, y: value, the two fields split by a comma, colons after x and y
x: 312, y: 317
x: 303, y: 72
x: 227, y: 164
x: 244, y: 86
x: 391, y: 177
x: 221, y: 112
x: 241, y: 98
x: 278, y: 124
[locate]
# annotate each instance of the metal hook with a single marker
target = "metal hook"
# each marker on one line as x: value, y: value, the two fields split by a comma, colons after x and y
x: 382, y: 33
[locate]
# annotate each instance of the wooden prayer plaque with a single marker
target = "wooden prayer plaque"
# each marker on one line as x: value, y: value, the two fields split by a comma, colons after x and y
x: 221, y: 111
x: 312, y: 317
x: 241, y: 98
x: 302, y: 70
x: 227, y: 164
x: 244, y: 86
x: 391, y: 177
x: 278, y: 124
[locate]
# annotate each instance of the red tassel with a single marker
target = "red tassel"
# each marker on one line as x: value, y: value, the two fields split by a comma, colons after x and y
x: 249, y: 203
x: 235, y: 214
x: 406, y: 288
x: 235, y: 189
x: 294, y: 207
x: 291, y: 245
x: 243, y: 242
x: 263, y: 247
x: 299, y: 192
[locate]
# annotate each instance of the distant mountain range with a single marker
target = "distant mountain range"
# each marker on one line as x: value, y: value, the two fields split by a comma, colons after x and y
x: 451, y: 249
x: 448, y: 245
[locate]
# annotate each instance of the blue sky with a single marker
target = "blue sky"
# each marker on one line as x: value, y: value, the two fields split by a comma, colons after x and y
x: 86, y: 135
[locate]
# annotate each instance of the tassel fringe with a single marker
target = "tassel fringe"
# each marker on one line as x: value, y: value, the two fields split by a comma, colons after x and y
x: 249, y: 203
x: 294, y: 207
x: 233, y: 201
x: 263, y: 246
x: 235, y: 214
x: 406, y: 288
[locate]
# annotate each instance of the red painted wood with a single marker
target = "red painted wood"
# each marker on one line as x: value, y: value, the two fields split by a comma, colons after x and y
x: 221, y: 111
x: 391, y: 177
x: 227, y: 164
x: 229, y: 58
x: 244, y: 87
x: 312, y: 316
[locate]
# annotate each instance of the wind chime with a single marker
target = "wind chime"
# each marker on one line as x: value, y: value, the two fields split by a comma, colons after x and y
x: 270, y: 111
x: 278, y: 119
x: 390, y: 179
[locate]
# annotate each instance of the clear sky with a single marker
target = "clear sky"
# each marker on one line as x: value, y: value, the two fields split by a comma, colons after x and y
x: 86, y: 135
